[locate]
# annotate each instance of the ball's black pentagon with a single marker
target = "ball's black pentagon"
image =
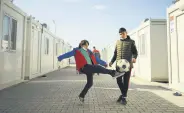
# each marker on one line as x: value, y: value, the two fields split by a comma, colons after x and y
x: 117, y: 68
x: 124, y: 66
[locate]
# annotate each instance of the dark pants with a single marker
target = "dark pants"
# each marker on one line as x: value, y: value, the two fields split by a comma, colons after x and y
x: 123, y: 83
x: 89, y: 70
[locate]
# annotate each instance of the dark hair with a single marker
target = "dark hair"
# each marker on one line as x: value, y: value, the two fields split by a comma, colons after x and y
x: 83, y: 42
x: 94, y: 47
x: 122, y: 30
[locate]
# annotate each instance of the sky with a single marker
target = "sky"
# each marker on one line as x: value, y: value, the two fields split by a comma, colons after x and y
x: 98, y: 21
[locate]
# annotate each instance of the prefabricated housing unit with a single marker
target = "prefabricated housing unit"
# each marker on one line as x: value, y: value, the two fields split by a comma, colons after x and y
x: 27, y: 48
x: 12, y: 33
x: 42, y: 49
x: 175, y: 17
x: 151, y: 41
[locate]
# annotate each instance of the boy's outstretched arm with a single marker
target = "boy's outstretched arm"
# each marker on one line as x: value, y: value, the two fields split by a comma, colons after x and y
x: 101, y: 62
x: 66, y: 55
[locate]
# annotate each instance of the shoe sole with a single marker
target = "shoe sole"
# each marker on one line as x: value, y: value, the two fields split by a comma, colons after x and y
x: 124, y: 104
x: 118, y: 101
x: 81, y: 100
x: 118, y: 75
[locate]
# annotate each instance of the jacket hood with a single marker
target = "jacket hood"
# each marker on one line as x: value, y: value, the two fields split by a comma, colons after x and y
x: 128, y: 38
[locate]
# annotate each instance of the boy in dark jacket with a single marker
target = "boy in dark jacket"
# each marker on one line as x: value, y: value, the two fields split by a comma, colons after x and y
x: 86, y: 63
x: 125, y: 49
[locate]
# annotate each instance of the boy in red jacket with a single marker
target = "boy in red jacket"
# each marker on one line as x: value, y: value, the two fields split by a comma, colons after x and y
x: 86, y: 63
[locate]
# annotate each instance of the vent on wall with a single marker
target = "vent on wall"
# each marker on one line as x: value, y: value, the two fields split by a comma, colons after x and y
x: 44, y: 25
x: 146, y: 19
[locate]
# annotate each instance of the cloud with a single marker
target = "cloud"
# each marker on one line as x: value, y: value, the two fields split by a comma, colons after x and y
x: 100, y: 7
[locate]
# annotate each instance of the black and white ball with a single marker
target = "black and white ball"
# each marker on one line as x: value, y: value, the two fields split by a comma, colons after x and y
x: 123, y: 65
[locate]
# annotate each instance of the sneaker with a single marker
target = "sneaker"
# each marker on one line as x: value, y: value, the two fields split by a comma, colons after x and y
x: 81, y: 99
x: 119, y: 99
x: 123, y: 101
x: 116, y: 74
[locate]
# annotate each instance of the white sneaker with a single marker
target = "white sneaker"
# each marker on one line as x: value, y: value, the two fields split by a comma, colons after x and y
x: 118, y: 74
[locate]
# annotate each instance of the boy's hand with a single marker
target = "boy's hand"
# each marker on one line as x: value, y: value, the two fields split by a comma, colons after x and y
x: 133, y: 60
x: 58, y: 60
x: 110, y: 64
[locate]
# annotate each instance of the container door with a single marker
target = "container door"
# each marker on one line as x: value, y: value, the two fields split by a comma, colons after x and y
x: 35, y: 50
x: 173, y: 49
x: 180, y: 33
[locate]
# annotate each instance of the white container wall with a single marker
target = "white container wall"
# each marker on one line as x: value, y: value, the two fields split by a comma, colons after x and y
x: 66, y: 49
x: 33, y: 51
x: 12, y: 30
x: 60, y: 51
x: 27, y: 48
x: 47, y: 51
x: 175, y: 17
x: 151, y: 42
x: 42, y: 50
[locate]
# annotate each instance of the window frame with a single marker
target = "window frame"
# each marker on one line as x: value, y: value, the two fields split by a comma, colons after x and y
x: 9, y: 32
x: 16, y: 34
x: 142, y: 45
x: 46, y: 46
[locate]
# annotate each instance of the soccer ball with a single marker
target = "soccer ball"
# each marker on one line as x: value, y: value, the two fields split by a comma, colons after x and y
x: 122, y: 65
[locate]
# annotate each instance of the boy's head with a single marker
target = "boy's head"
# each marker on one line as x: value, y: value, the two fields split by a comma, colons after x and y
x: 94, y: 47
x: 123, y: 33
x: 84, y: 44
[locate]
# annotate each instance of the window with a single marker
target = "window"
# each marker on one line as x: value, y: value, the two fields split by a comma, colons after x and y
x: 142, y: 44
x: 46, y: 46
x: 9, y: 33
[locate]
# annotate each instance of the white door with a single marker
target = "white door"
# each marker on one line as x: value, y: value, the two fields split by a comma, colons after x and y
x: 35, y: 50
x: 173, y: 50
x: 180, y: 33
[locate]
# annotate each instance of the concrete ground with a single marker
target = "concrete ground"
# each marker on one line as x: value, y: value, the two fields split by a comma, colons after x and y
x: 58, y: 93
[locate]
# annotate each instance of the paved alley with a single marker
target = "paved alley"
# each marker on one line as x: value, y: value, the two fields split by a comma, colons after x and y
x: 58, y: 93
